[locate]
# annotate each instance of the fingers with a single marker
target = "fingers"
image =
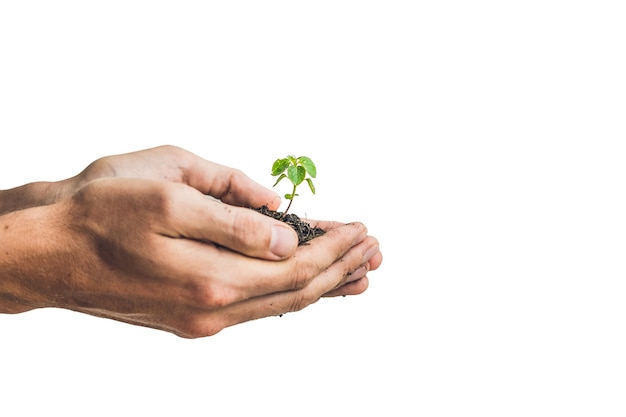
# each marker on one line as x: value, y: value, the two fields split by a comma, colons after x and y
x: 351, y: 288
x: 313, y: 259
x: 222, y: 276
x: 358, y: 282
x: 234, y: 280
x: 230, y: 185
x: 207, y: 322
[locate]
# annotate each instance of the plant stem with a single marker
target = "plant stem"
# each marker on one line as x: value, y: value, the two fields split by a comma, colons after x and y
x: 293, y: 194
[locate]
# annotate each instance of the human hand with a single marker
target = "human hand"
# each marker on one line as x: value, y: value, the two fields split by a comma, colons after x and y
x: 155, y: 253
x: 163, y: 163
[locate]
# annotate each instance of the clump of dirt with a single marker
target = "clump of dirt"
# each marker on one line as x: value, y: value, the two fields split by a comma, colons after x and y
x: 304, y: 230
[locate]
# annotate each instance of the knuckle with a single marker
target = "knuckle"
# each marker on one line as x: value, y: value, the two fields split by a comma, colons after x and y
x: 246, y: 230
x: 237, y: 175
x: 162, y: 197
x: 163, y: 201
x: 235, y: 183
x: 303, y: 273
x: 301, y: 300
x: 209, y: 297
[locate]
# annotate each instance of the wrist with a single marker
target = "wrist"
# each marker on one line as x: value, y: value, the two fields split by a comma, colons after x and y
x: 32, y: 252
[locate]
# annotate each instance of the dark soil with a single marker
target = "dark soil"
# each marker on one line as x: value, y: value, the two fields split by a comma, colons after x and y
x: 304, y: 230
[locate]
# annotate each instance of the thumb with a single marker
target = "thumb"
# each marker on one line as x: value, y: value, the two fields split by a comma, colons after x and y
x: 238, y: 228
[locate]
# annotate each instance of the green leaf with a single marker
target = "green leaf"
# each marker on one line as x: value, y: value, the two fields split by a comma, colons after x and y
x: 311, y: 186
x: 279, y: 166
x: 296, y: 174
x: 279, y: 178
x: 308, y: 164
x: 290, y: 196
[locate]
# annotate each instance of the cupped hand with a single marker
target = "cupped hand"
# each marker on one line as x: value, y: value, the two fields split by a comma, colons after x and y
x: 163, y: 255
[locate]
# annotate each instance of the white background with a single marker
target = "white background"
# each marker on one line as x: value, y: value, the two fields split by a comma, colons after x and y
x: 479, y: 141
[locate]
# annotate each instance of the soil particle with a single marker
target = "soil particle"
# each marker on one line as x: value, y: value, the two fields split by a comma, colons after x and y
x: 304, y: 230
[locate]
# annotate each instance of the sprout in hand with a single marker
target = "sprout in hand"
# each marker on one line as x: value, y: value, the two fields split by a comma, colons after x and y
x: 296, y: 171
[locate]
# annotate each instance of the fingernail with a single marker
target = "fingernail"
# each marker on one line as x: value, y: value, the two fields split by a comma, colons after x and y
x: 284, y: 241
x: 275, y: 203
x: 370, y: 253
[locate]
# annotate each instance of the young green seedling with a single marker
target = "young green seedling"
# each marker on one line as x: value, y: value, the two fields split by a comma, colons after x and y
x: 296, y: 171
